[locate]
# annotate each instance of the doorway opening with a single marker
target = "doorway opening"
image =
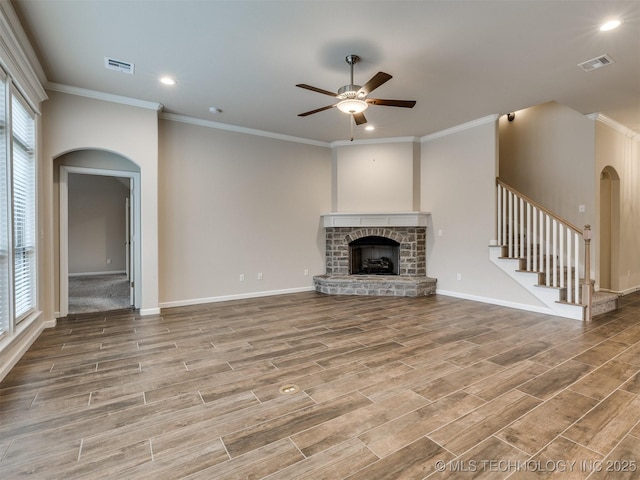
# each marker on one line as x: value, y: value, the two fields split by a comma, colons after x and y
x: 99, y: 240
x: 609, y: 229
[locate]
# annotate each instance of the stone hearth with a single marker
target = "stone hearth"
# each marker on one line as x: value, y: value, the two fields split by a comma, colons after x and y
x: 407, y: 229
x: 375, y: 285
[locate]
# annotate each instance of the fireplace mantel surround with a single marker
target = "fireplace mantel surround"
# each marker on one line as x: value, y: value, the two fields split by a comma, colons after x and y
x: 408, y: 229
x: 408, y: 219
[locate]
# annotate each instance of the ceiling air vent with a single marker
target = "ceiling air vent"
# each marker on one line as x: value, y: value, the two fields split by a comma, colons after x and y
x: 601, y: 61
x: 118, y: 65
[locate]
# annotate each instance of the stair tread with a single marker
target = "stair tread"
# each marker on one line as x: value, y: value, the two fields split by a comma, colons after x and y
x: 601, y: 302
x: 604, y: 296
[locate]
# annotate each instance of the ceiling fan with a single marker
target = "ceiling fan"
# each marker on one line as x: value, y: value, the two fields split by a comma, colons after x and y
x: 353, y: 98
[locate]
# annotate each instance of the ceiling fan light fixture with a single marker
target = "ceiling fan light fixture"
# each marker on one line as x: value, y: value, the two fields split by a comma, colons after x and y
x: 352, y: 105
x: 353, y: 99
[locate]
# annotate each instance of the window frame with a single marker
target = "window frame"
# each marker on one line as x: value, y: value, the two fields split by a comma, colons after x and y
x: 12, y: 146
x: 6, y: 259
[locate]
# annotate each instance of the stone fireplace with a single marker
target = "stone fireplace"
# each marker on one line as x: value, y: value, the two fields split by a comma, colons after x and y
x: 375, y: 254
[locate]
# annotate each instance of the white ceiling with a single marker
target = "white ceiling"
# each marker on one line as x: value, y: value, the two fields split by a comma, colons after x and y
x: 460, y: 60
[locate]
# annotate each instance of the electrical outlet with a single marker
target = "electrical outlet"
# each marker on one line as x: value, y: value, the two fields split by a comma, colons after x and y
x: 582, y: 208
x: 306, y: 272
x: 459, y: 276
x: 242, y: 277
x: 108, y: 261
x: 260, y: 276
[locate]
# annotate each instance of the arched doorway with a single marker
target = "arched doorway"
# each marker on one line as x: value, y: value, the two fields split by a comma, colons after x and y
x: 91, y: 166
x: 609, y: 229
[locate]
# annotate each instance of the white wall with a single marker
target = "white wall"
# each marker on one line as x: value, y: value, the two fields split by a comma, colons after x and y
x: 547, y: 153
x: 97, y: 223
x: 71, y: 123
x: 232, y: 204
x: 376, y: 178
x: 458, y: 173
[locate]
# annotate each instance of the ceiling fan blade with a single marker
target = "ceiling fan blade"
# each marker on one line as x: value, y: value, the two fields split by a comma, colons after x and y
x: 316, y: 110
x: 359, y: 118
x: 377, y: 80
x: 391, y: 103
x: 316, y: 89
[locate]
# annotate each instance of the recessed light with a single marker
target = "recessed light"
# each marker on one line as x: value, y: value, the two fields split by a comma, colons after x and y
x: 370, y: 128
x: 167, y: 81
x: 610, y: 25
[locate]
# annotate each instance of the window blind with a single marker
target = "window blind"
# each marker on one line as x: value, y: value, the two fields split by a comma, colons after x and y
x: 24, y: 193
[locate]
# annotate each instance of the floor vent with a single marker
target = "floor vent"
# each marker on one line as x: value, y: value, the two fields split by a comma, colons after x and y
x: 289, y: 389
x: 118, y: 65
x: 601, y: 61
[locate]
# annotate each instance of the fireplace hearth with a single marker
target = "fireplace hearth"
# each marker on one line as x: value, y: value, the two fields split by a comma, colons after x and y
x: 375, y: 254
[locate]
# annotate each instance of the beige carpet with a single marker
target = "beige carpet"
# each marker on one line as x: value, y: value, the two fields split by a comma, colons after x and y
x: 98, y: 293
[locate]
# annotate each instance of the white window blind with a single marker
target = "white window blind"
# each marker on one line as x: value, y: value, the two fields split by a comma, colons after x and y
x: 4, y: 212
x: 24, y: 193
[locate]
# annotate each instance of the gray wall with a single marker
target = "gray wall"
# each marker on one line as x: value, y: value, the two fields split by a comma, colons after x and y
x: 234, y: 204
x: 72, y: 123
x: 620, y: 150
x: 458, y: 173
x: 556, y: 155
x: 547, y: 153
x: 97, y: 223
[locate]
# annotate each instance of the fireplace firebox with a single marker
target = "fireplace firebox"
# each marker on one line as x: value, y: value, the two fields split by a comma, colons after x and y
x: 374, y: 255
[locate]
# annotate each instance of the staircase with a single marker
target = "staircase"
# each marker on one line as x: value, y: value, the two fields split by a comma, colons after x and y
x: 547, y: 255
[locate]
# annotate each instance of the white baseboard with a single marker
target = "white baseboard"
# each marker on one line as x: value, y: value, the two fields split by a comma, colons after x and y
x: 624, y: 292
x: 50, y: 323
x: 149, y: 311
x: 494, y: 301
x: 240, y: 296
x: 629, y: 290
x: 86, y: 274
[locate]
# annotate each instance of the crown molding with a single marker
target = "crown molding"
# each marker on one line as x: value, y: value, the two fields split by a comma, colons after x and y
x: 599, y: 117
x: 459, y: 128
x: 235, y: 128
x: 107, y: 97
x: 373, y: 141
x: 18, y: 57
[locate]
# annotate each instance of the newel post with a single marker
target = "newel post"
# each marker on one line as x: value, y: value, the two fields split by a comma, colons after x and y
x: 587, y: 290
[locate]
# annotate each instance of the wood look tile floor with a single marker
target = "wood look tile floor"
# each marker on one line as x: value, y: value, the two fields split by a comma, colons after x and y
x: 389, y: 388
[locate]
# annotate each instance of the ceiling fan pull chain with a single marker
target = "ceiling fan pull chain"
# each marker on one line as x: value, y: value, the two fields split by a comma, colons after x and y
x: 351, y: 122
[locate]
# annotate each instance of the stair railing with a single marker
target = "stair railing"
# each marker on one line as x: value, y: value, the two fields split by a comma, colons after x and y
x: 546, y: 244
